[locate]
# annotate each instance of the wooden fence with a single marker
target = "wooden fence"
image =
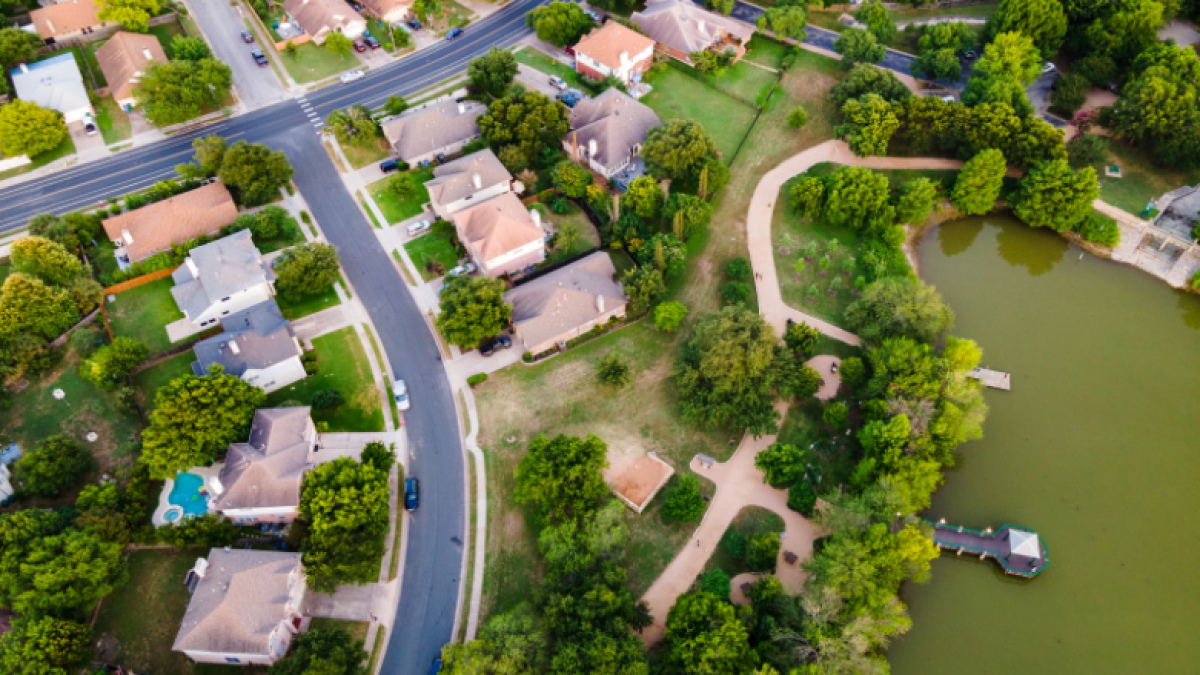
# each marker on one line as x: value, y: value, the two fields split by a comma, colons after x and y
x: 140, y: 281
x: 298, y: 40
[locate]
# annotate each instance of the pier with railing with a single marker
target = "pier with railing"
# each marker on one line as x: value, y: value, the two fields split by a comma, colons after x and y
x: 1018, y: 550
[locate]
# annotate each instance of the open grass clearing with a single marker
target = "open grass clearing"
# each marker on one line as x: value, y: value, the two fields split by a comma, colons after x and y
x: 309, y: 304
x: 313, y: 62
x: 143, y: 313
x: 393, y: 207
x: 64, y: 149
x: 742, y: 81
x: 678, y: 95
x: 765, y: 51
x: 1141, y: 181
x: 342, y: 365
x: 356, y: 629
x: 431, y: 248
x: 362, y: 154
x: 588, y: 237
x: 150, y: 380
x: 750, y: 521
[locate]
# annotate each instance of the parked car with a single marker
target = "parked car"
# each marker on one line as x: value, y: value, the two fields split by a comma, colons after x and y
x: 247, y: 36
x: 352, y: 76
x: 418, y: 227
x: 436, y: 667
x: 360, y: 46
x: 568, y: 99
x: 571, y: 50
x: 592, y: 14
x: 260, y: 58
x: 414, y: 24
x: 948, y: 99
x: 558, y: 83
x: 371, y: 42
x: 400, y: 391
x: 389, y: 165
x: 412, y: 494
x: 493, y: 345
x: 465, y: 268
x: 969, y: 55
x: 454, y: 32
x: 1047, y: 67
x: 89, y: 124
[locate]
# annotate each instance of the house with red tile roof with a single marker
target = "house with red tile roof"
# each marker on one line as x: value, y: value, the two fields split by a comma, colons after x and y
x: 501, y: 236
x: 616, y: 50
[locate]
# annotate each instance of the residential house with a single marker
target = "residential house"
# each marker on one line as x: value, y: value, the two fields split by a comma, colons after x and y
x: 221, y: 278
x: 258, y: 345
x: 607, y: 132
x: 123, y: 60
x: 566, y: 303
x: 8, y: 457
x: 501, y: 236
x: 422, y: 134
x: 389, y: 11
x: 260, y: 479
x: 680, y: 28
x: 73, y: 19
x: 616, y: 50
x: 245, y: 607
x: 466, y: 181
x: 319, y: 18
x: 55, y: 84
x: 156, y: 227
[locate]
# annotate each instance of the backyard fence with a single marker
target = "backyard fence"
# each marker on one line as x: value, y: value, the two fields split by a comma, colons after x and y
x: 62, y: 339
x: 140, y: 281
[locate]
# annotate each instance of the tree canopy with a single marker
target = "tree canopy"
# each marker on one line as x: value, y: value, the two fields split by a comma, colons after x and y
x: 325, y: 651
x: 858, y: 46
x: 528, y: 120
x: 1042, y: 21
x: 177, y: 91
x: 868, y: 125
x: 1053, y: 195
x: 45, y: 259
x: 345, y: 504
x: 1159, y: 108
x: 190, y: 48
x: 254, y: 173
x: 114, y: 362
x: 978, y: 184
x: 703, y: 635
x: 473, y: 308
x: 45, y: 646
x: 53, y: 466
x: 899, y: 307
x: 62, y: 575
x: 1008, y: 65
x: 865, y: 78
x: 26, y: 128
x: 678, y: 150
x: 133, y: 15
x: 306, y: 270
x: 780, y: 463
x: 562, y: 477
x: 17, y: 45
x: 785, y: 21
x: 493, y: 72
x: 559, y: 23
x: 29, y: 306
x: 877, y: 20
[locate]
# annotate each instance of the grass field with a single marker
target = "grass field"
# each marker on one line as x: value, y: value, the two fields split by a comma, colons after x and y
x: 356, y: 629
x: 309, y: 304
x: 150, y: 380
x: 1141, y: 181
x: 588, y: 236
x: 677, y: 95
x: 394, y: 208
x: 142, y: 313
x: 765, y: 51
x: 751, y: 520
x: 343, y: 366
x: 429, y: 248
x: 289, y: 235
x: 741, y: 80
x: 166, y: 33
x: 313, y: 62
x: 367, y: 153
x: 539, y: 61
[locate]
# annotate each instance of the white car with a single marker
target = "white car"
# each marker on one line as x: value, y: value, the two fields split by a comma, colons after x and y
x: 462, y: 269
x: 592, y: 14
x: 558, y: 83
x: 1047, y: 67
x: 400, y: 391
x: 89, y: 124
x: 352, y: 76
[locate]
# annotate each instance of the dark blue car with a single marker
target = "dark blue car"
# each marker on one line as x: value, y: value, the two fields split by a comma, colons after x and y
x: 412, y: 494
x: 454, y: 32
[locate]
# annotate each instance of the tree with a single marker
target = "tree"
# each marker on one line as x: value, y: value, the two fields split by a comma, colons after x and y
x: 571, y: 179
x: 380, y: 456
x: 1124, y: 32
x: 46, y: 260
x: 877, y: 20
x: 190, y: 48
x: 327, y: 398
x: 1008, y: 65
x: 562, y: 477
x: 614, y: 371
x: 1098, y: 69
x: 354, y: 124
x: 133, y: 15
x: 559, y: 23
x: 1054, y: 196
x: 645, y: 197
x: 868, y: 126
x: 704, y: 61
x: 529, y: 120
x: 1159, y: 108
x: 113, y: 363
x: 858, y: 198
x: 17, y: 46
x: 196, y: 417
x: 802, y: 498
x: 53, y: 466
x: 472, y: 309
x: 836, y: 415
x: 254, y: 173
x: 306, y: 270
x: 785, y: 22
x: 404, y: 186
x: 1069, y: 93
x: 29, y: 306
x: 683, y: 502
x: 26, y: 128
x: 938, y: 64
x: 1042, y: 21
x: 668, y: 316
x: 781, y: 464
x: 694, y: 213
x: 899, y: 307
x: 716, y: 582
x: 177, y: 91
x: 853, y: 372
x: 916, y: 200
x: 493, y: 72
x: 1087, y: 149
x: 722, y: 7
x: 62, y: 576
x: 395, y: 105
x: 735, y: 292
x: 71, y: 230
x: 45, y: 646
x: 865, y: 78
x: 207, y: 530
x: 338, y: 44
x: 210, y: 153
x: 345, y: 504
x: 703, y: 635
x: 678, y: 150
x: 978, y: 184
x: 665, y: 253
x: 797, y: 117
x: 858, y: 46
x: 643, y: 286
x: 325, y: 651
x: 956, y: 36
x: 802, y: 339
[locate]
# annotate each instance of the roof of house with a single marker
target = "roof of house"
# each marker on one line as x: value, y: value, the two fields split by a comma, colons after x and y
x: 317, y: 15
x: 497, y: 226
x: 382, y: 8
x: 605, y: 44
x: 456, y: 180
x: 55, y: 83
x: 254, y: 338
x: 267, y: 470
x: 567, y: 298
x: 224, y: 267
x: 155, y: 227
x: 615, y: 121
x: 683, y: 26
x: 432, y: 128
x: 238, y: 603
x: 123, y: 59
x: 65, y: 17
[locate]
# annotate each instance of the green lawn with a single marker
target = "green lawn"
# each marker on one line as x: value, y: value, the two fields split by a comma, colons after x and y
x: 539, y: 61
x: 430, y: 248
x: 1141, y: 182
x: 313, y: 62
x: 151, y: 379
x: 588, y: 236
x: 113, y: 122
x: 309, y: 304
x: 342, y: 365
x: 166, y: 34
x: 677, y: 95
x: 143, y: 313
x: 356, y: 629
x: 765, y: 51
x: 368, y: 153
x: 621, y: 261
x: 394, y: 208
x: 741, y: 80
x: 67, y: 147
x: 750, y: 521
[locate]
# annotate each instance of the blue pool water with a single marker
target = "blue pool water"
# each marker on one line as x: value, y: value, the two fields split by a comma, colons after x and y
x: 186, y: 494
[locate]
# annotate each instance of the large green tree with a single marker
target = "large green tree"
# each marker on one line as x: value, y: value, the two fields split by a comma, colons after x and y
x: 703, y: 635
x: 473, y: 308
x: 1123, y: 30
x: 978, y: 184
x: 678, y: 150
x: 254, y: 173
x: 190, y: 48
x: 858, y: 46
x: 916, y: 200
x: 17, y: 45
x: 306, y: 270
x: 29, y: 306
x: 865, y: 78
x: 177, y: 91
x: 571, y: 179
x: 900, y: 307
x: 45, y: 646
x: 325, y: 651
x: 133, y: 15
x: 780, y: 463
x: 1055, y: 196
x: 694, y: 214
x: 868, y: 126
x: 858, y: 198
x: 53, y: 466
x: 785, y: 21
x: 345, y: 505
x: 46, y: 260
x: 62, y: 576
x: 112, y: 363
x: 877, y: 20
x: 645, y: 196
x: 1042, y: 21
x: 493, y: 72
x: 26, y: 128
x: 562, y: 477
x: 1159, y: 108
x: 1008, y: 65
x: 528, y: 120
x: 353, y: 125
x: 559, y: 23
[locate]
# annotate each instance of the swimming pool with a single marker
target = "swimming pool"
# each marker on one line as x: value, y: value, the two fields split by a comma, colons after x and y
x: 186, y: 494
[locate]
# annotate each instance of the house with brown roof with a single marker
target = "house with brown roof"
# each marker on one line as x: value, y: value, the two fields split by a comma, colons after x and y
x: 681, y: 27
x: 607, y: 132
x: 566, y: 303
x: 615, y: 50
x: 261, y: 478
x: 501, y: 235
x: 67, y: 20
x: 153, y: 228
x: 319, y: 18
x: 246, y: 607
x: 389, y: 11
x: 467, y: 180
x: 123, y: 60
x: 421, y: 134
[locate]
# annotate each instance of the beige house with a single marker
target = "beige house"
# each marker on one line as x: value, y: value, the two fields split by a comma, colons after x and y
x: 261, y: 478
x: 245, y: 607
x: 566, y: 303
x: 616, y: 50
x: 155, y: 227
x: 681, y: 27
x: 466, y: 181
x: 442, y: 128
x: 67, y: 20
x: 607, y: 132
x: 123, y: 60
x: 319, y: 18
x: 501, y: 235
x: 390, y: 11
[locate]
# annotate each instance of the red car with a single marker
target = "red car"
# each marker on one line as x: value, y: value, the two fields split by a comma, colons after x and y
x: 571, y: 50
x: 360, y: 46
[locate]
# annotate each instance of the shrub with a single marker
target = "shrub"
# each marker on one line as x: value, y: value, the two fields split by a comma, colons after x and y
x: 614, y: 371
x: 715, y: 581
x: 1087, y: 149
x: 305, y: 217
x: 1099, y: 230
x: 668, y: 316
x: 327, y: 398
x: 527, y: 357
x: 735, y: 293
x: 797, y: 118
x: 762, y: 552
x: 836, y: 415
x: 478, y: 378
x: 853, y: 372
x: 53, y: 466
x: 734, y: 543
x: 738, y: 269
x: 802, y: 498
x: 684, y: 503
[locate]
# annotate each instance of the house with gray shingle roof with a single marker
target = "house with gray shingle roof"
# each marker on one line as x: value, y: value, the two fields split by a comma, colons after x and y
x: 566, y: 303
x: 467, y: 181
x: 421, y: 134
x: 680, y: 28
x: 607, y: 132
x: 260, y: 479
x: 245, y: 609
x: 221, y: 278
x: 258, y: 345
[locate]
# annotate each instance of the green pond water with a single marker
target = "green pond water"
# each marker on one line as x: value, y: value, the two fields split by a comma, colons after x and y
x: 1097, y: 448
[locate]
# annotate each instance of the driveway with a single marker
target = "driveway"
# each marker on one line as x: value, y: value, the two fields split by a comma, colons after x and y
x: 222, y: 26
x: 536, y: 80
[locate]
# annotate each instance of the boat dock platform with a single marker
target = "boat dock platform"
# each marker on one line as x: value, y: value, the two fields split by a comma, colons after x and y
x: 992, y: 378
x: 1018, y: 550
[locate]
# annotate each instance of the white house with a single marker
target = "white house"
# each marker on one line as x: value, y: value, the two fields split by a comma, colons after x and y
x: 258, y: 345
x: 55, y: 84
x: 8, y: 456
x: 467, y: 181
x: 221, y: 278
x: 260, y: 479
x: 245, y: 609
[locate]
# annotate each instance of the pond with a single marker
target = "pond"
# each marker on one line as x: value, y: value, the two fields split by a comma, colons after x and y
x: 1095, y: 448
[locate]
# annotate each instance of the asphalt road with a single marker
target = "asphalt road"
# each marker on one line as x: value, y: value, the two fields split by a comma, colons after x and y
x: 432, y: 579
x: 222, y: 25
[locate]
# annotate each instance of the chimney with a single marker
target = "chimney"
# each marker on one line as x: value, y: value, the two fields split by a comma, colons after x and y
x: 201, y: 567
x: 50, y: 25
x: 537, y: 217
x: 477, y: 180
x: 624, y: 58
x: 592, y: 148
x: 192, y: 266
x: 699, y: 26
x: 462, y: 107
x: 233, y: 347
x: 599, y: 303
x: 126, y: 236
x: 146, y: 53
x: 25, y: 68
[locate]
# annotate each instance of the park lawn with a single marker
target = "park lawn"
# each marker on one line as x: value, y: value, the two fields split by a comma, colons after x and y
x: 430, y: 248
x: 67, y: 147
x: 765, y: 51
x: 309, y: 304
x: 113, y: 122
x: 750, y: 521
x: 741, y: 80
x: 368, y: 153
x: 837, y: 456
x: 677, y: 95
x: 356, y: 629
x: 562, y: 396
x: 1142, y: 181
x: 394, y: 208
x: 143, y: 313
x: 150, y: 380
x: 588, y: 236
x: 313, y: 62
x: 342, y: 365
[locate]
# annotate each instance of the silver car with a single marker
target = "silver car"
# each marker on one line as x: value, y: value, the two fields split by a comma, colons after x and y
x: 352, y: 76
x: 400, y: 391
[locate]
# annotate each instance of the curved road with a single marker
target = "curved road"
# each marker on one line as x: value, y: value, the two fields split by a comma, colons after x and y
x: 432, y: 582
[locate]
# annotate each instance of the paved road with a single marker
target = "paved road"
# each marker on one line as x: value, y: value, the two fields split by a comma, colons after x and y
x: 223, y: 26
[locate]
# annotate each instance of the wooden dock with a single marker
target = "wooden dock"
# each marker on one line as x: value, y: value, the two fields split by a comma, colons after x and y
x: 992, y: 378
x: 1018, y: 550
